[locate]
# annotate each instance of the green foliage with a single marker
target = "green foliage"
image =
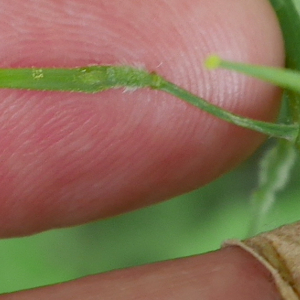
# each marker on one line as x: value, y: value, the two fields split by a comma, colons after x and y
x: 100, y: 78
x: 277, y: 163
x: 288, y: 13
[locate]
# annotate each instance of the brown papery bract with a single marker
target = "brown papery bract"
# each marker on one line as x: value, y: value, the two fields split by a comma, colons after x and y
x: 279, y: 252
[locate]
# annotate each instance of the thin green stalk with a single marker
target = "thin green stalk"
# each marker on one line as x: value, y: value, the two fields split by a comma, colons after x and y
x: 99, y: 78
x: 288, y: 132
x: 284, y: 78
x: 91, y: 79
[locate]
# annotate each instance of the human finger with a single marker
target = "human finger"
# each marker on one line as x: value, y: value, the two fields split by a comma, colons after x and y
x: 70, y: 158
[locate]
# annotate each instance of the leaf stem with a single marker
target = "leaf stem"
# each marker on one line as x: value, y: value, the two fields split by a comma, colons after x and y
x: 284, y: 78
x: 288, y: 132
x: 95, y: 79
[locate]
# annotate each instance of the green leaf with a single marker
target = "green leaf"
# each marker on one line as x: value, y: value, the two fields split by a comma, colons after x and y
x: 289, y: 19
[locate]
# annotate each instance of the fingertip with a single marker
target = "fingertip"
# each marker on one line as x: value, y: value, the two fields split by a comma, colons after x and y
x: 75, y: 158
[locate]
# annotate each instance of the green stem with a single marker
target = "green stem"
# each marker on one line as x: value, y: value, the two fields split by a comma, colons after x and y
x: 85, y: 79
x: 99, y: 78
x: 289, y: 18
x: 288, y: 132
x: 284, y: 78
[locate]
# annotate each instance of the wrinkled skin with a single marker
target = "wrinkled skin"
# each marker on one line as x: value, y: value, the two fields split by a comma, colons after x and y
x: 67, y: 159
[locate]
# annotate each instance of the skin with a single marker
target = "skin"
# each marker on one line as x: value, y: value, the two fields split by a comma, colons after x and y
x: 68, y: 159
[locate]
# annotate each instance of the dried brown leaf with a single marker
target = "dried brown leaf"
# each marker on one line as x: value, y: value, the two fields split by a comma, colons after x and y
x: 279, y: 252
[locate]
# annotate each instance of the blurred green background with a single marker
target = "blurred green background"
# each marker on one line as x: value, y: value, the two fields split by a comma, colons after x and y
x: 194, y: 223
